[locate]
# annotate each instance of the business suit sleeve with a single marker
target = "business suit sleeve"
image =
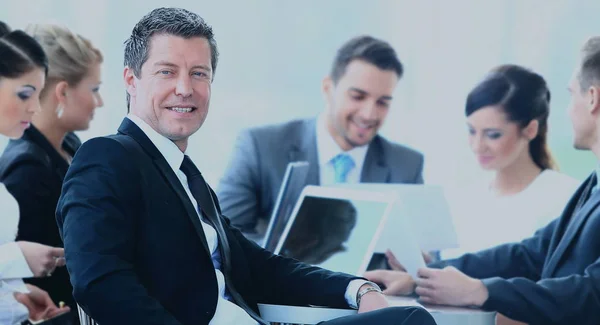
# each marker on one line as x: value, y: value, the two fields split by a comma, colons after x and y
x: 36, y: 190
x: 524, y: 259
x: 574, y: 299
x: 96, y: 216
x: 239, y: 188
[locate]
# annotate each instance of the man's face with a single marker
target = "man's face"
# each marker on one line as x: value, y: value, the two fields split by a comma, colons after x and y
x: 358, y: 103
x: 172, y: 93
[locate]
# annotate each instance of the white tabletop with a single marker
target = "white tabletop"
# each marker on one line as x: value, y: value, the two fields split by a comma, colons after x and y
x: 311, y: 315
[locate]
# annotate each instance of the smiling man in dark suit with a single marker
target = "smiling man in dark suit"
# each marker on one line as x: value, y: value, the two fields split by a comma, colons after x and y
x: 341, y: 145
x: 552, y: 277
x: 144, y: 238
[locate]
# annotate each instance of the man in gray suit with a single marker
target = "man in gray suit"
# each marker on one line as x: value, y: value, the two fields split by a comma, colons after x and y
x: 341, y: 145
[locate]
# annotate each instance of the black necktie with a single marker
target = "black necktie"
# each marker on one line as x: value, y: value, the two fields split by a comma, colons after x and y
x: 200, y: 192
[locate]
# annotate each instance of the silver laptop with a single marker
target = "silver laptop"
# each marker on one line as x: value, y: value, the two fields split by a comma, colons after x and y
x: 425, y: 207
x: 336, y: 228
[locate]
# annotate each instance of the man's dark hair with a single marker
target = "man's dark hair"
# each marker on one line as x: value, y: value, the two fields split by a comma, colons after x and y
x: 170, y: 21
x: 368, y: 49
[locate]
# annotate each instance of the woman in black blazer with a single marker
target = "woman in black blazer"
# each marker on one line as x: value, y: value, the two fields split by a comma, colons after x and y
x: 34, y: 166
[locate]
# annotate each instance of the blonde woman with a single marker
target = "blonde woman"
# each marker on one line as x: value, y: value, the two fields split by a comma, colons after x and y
x: 34, y: 166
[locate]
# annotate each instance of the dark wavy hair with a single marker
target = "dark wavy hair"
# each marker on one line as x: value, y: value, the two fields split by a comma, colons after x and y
x: 524, y: 97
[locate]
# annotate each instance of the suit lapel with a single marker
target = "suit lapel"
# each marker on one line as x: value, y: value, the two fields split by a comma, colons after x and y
x: 579, y: 215
x: 304, y: 148
x: 375, y: 170
x: 131, y: 129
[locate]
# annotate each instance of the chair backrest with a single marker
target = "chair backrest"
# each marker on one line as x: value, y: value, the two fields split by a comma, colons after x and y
x: 84, y: 319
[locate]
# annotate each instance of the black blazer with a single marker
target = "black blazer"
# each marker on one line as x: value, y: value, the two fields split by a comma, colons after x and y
x: 137, y: 253
x: 550, y: 278
x: 33, y: 172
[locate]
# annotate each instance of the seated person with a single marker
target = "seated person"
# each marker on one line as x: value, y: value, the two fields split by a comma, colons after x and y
x: 33, y: 167
x: 23, y: 68
x: 341, y: 144
x: 145, y: 240
x: 507, y: 117
x: 552, y: 277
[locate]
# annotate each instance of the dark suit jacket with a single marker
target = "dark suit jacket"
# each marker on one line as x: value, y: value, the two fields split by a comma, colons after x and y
x: 550, y: 278
x: 33, y: 172
x: 248, y: 190
x: 137, y: 253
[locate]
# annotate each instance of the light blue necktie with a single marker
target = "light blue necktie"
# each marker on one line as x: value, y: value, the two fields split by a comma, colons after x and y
x: 342, y: 164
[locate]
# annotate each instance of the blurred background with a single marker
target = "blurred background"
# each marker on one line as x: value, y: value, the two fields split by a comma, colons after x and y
x: 274, y: 55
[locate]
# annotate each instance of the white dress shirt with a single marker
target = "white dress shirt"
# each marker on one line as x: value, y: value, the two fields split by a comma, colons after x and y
x: 13, y: 266
x: 327, y: 149
x: 227, y: 312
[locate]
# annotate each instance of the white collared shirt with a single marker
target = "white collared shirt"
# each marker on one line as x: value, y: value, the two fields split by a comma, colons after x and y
x: 327, y: 149
x: 13, y: 266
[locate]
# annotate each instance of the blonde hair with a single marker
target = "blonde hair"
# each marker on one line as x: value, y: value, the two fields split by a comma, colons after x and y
x: 70, y: 56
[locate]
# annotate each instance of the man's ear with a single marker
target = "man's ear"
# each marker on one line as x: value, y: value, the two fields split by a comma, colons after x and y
x: 594, y: 100
x: 327, y: 87
x: 130, y: 81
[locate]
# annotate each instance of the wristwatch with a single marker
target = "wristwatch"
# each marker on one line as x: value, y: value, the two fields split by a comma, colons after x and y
x: 372, y: 287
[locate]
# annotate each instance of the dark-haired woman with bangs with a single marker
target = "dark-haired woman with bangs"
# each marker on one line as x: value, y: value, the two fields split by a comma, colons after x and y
x: 23, y: 69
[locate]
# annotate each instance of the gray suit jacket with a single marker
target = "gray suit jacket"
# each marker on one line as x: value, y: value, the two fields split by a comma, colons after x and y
x: 248, y: 190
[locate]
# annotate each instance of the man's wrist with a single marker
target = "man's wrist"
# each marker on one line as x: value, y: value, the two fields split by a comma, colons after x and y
x: 366, y: 288
x: 480, y: 294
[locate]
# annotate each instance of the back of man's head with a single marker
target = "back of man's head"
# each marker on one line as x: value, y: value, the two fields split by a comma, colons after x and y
x: 589, y: 70
x: 367, y: 49
x: 171, y: 21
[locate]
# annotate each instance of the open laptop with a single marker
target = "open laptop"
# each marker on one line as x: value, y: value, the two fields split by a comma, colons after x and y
x: 293, y: 182
x: 427, y: 212
x: 422, y: 223
x: 336, y: 228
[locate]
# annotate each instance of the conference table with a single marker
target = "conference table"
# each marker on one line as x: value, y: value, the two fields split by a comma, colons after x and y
x: 445, y: 315
x: 312, y: 315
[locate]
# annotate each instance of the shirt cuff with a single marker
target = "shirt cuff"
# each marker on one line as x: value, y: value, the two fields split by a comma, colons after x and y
x: 12, y: 262
x: 352, y: 292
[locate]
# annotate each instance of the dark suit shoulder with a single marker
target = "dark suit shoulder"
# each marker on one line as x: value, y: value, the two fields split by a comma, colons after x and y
x: 103, y: 151
x: 19, y: 152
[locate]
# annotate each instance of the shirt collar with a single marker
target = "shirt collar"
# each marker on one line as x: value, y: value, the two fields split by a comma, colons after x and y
x: 327, y: 148
x: 166, y: 147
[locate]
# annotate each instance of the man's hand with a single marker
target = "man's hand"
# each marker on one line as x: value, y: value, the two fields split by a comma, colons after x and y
x: 371, y: 301
x: 450, y: 287
x: 39, y: 304
x: 396, y: 265
x: 397, y: 283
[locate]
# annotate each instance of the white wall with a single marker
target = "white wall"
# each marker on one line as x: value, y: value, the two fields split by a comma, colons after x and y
x: 275, y: 53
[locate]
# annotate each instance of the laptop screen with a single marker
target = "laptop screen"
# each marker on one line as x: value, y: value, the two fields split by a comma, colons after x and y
x: 294, y: 181
x: 333, y: 232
